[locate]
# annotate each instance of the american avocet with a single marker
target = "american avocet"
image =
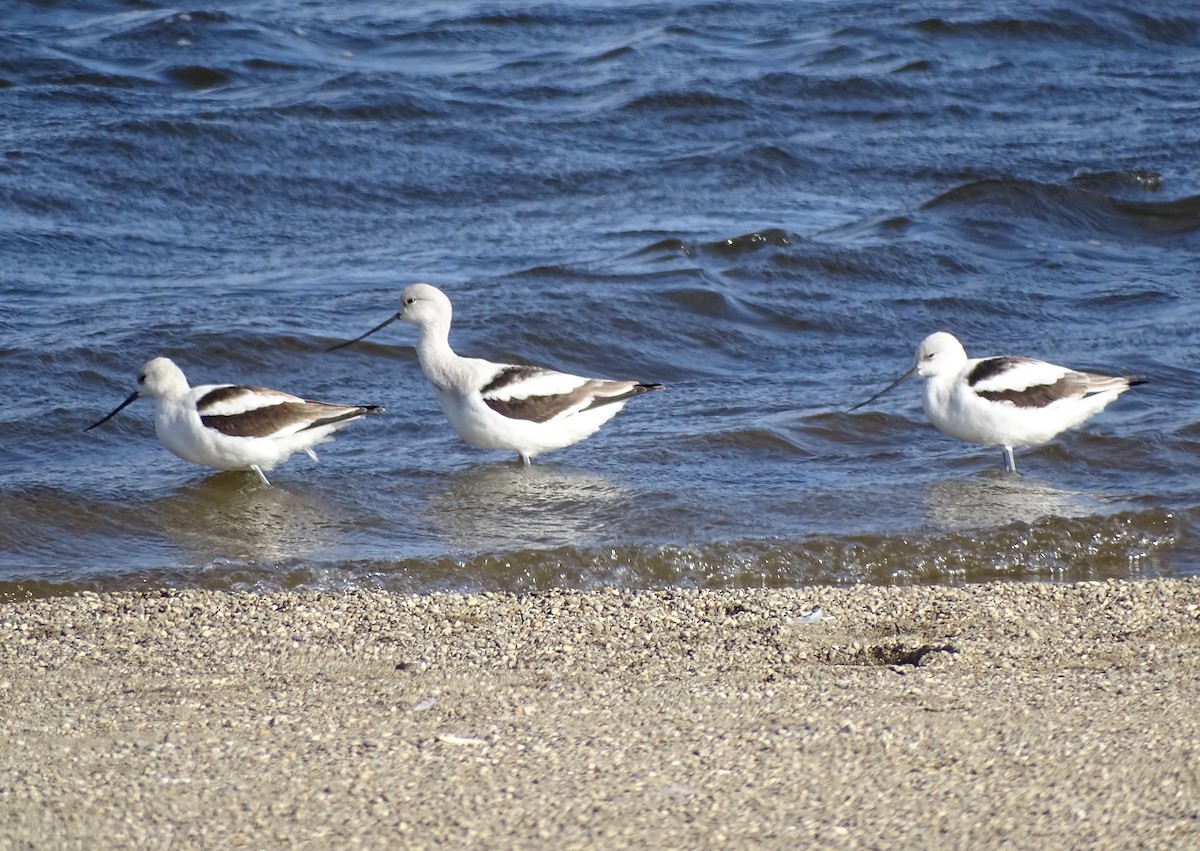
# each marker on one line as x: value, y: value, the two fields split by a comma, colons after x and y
x: 1005, y: 401
x: 524, y: 409
x: 231, y: 427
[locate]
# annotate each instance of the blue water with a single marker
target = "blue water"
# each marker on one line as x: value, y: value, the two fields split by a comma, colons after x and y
x: 764, y: 206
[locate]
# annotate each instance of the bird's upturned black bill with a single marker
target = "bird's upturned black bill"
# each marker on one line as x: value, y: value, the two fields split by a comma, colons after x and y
x: 378, y: 327
x: 132, y: 398
x: 891, y: 386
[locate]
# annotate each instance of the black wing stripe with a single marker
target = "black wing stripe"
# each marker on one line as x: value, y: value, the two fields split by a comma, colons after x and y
x: 1038, y: 396
x: 536, y: 409
x: 509, y: 376
x: 991, y: 367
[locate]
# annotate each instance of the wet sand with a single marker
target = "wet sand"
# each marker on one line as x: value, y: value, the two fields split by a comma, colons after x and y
x: 1025, y: 716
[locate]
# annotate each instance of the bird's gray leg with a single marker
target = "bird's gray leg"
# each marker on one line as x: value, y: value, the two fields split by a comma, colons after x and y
x: 1010, y: 463
x: 258, y: 470
x: 525, y: 459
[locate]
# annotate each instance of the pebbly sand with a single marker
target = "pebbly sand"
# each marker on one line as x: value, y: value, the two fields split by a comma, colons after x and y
x: 1022, y: 716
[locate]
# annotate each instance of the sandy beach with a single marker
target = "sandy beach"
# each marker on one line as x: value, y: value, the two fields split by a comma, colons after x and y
x: 1022, y: 716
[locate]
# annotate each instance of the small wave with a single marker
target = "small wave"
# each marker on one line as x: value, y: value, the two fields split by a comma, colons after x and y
x: 1138, y: 181
x: 753, y: 242
x: 704, y: 302
x: 863, y: 429
x: 1170, y: 217
x: 1076, y: 211
x: 198, y: 76
x: 1165, y: 29
x: 757, y: 442
x: 672, y: 246
x: 726, y: 249
x: 1134, y: 544
x: 705, y: 103
x: 1062, y: 25
x: 1109, y: 27
x: 1056, y: 548
x: 100, y: 80
x: 917, y: 65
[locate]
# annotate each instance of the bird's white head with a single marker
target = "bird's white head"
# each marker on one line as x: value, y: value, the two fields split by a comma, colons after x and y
x: 425, y: 305
x: 161, y: 378
x: 940, y: 354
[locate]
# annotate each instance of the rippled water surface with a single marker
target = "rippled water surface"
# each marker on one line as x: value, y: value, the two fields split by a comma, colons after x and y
x: 764, y: 206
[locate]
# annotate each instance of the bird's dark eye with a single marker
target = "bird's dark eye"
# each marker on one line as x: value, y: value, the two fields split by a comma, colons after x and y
x: 410, y: 300
x: 930, y: 356
x: 142, y: 378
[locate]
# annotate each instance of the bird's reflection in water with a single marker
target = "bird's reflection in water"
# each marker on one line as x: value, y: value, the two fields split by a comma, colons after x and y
x: 502, y: 506
x: 996, y: 500
x: 233, y: 515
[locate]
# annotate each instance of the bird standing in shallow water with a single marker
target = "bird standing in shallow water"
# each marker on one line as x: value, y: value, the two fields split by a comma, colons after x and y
x: 524, y: 409
x: 1005, y: 401
x: 231, y: 427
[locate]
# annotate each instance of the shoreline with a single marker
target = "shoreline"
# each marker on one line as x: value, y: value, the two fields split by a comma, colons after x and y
x: 1035, y: 715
